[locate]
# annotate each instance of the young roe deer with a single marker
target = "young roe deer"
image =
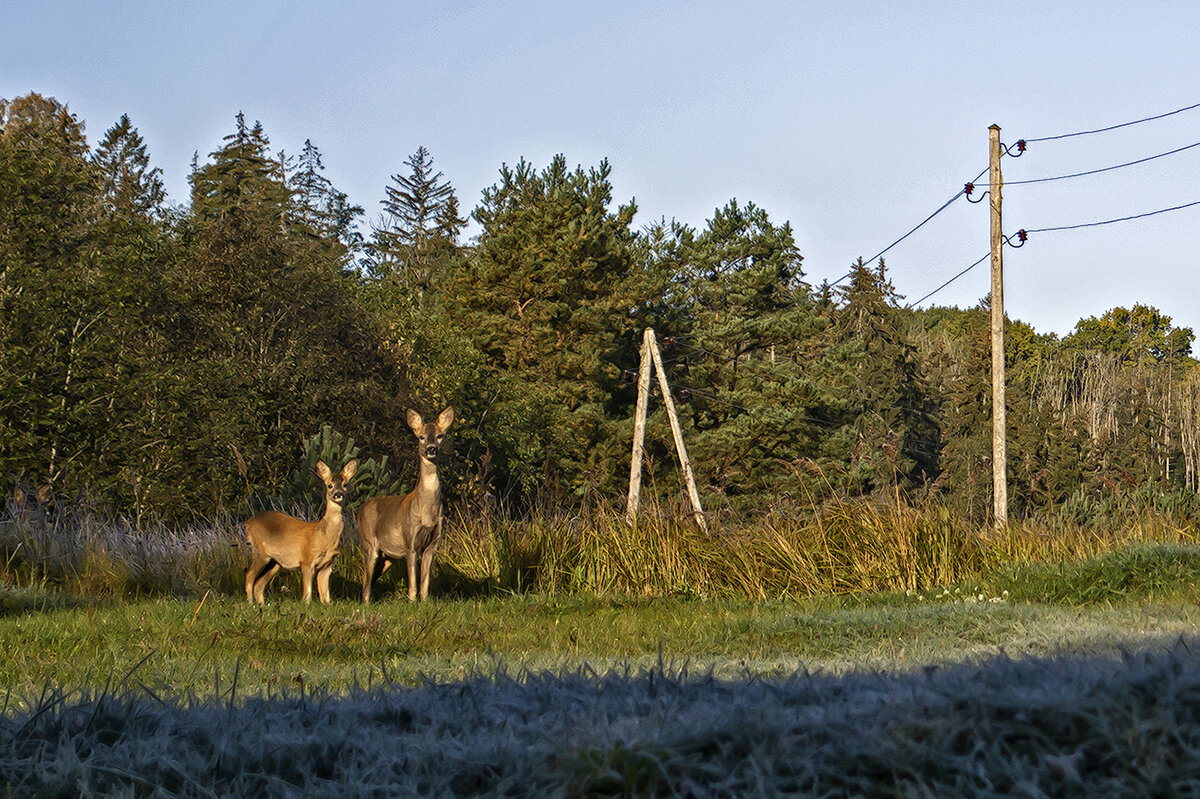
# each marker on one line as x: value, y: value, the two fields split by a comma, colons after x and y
x: 279, y: 541
x: 390, y: 528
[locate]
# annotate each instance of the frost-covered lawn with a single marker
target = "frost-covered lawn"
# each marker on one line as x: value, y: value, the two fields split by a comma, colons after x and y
x: 1068, y: 680
x: 1110, y: 727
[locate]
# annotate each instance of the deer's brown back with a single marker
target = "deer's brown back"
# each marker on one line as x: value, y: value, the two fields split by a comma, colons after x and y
x: 289, y: 540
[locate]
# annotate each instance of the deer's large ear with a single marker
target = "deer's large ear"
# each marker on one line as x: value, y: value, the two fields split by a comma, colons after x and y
x: 415, y: 421
x: 445, y: 419
x: 349, y: 469
x: 323, y: 471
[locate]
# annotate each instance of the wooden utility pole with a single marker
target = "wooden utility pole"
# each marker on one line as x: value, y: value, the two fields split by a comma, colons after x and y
x: 639, y: 431
x: 999, y: 419
x: 650, y: 348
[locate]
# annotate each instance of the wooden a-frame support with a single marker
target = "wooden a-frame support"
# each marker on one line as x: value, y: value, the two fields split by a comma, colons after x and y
x: 651, y: 354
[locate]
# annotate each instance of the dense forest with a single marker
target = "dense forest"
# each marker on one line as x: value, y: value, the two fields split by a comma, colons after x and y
x: 173, y: 360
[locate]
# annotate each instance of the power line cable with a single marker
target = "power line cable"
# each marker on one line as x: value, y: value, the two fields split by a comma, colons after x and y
x: 1115, y: 127
x: 1055, y: 230
x: 948, y: 282
x: 1097, y: 171
x: 943, y: 207
x: 1112, y: 221
x: 1062, y: 177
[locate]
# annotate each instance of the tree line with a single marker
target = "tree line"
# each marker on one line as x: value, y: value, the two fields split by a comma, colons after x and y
x: 181, y: 359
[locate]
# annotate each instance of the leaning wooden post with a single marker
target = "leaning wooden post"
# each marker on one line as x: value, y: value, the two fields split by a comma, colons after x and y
x: 639, y: 431
x: 999, y: 420
x: 684, y: 463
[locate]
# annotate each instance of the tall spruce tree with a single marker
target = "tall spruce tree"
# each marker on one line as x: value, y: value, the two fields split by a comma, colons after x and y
x: 242, y: 179
x: 49, y: 196
x: 321, y: 209
x: 129, y: 183
x: 896, y: 435
x: 420, y: 225
x: 272, y: 322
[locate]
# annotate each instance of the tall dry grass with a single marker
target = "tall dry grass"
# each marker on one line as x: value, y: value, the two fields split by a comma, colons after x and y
x: 87, y: 552
x: 853, y: 546
x: 844, y: 547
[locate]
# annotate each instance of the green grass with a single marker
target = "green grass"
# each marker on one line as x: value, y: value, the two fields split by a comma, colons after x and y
x: 1123, y: 599
x: 846, y: 547
x: 857, y: 585
x: 133, y: 661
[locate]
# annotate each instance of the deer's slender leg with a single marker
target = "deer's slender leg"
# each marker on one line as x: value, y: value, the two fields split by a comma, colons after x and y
x: 370, y: 561
x: 260, y: 585
x: 411, y: 557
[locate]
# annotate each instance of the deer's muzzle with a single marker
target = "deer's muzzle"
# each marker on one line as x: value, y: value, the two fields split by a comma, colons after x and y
x: 431, y: 451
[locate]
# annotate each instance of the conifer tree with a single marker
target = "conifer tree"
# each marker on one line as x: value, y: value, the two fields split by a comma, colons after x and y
x: 420, y: 224
x: 896, y: 429
x: 129, y: 183
x: 242, y: 179
x: 747, y: 322
x: 271, y: 318
x: 49, y: 196
x: 545, y: 300
x: 321, y: 208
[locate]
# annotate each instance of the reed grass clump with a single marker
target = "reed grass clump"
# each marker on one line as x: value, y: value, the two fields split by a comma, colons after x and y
x: 844, y: 547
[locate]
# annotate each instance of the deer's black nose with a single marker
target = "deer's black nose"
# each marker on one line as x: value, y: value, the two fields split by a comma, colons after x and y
x: 431, y: 451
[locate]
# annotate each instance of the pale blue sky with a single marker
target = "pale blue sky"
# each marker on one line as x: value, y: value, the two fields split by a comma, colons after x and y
x: 852, y: 120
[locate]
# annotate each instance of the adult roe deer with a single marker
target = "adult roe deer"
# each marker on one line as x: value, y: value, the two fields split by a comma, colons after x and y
x: 279, y: 541
x: 390, y: 528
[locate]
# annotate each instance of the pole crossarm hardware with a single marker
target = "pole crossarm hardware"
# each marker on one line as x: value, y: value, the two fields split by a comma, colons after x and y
x: 650, y: 354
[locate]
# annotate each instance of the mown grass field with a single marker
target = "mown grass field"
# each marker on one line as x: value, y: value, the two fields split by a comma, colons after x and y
x: 1077, y: 679
x: 871, y: 653
x: 1144, y: 595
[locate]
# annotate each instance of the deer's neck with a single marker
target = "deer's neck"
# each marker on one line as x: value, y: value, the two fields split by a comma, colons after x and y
x: 429, y: 484
x: 428, y: 490
x: 332, y: 520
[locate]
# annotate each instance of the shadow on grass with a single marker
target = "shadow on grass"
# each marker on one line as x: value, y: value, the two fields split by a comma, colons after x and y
x: 22, y: 601
x: 448, y: 583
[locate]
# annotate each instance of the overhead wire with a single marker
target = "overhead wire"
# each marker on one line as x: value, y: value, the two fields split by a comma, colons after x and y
x: 1056, y: 229
x: 948, y: 282
x: 1113, y: 221
x: 1024, y: 232
x: 970, y: 184
x: 1008, y: 183
x: 1114, y: 127
x: 922, y: 223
